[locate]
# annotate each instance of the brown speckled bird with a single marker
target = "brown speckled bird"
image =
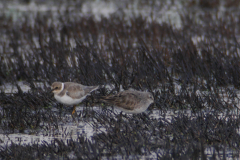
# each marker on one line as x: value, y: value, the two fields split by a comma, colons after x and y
x: 130, y: 101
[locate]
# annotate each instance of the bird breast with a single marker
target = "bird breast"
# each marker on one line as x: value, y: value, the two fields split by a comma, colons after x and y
x: 65, y: 99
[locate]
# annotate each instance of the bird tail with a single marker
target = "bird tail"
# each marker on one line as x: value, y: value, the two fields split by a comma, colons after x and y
x: 93, y: 88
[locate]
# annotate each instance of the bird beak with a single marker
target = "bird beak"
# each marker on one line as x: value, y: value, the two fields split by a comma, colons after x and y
x: 51, y: 90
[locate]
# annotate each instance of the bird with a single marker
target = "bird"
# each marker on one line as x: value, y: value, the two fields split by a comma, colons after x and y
x: 130, y: 101
x: 70, y: 93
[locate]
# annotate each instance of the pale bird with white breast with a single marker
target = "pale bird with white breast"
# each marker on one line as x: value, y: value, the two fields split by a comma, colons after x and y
x: 70, y: 93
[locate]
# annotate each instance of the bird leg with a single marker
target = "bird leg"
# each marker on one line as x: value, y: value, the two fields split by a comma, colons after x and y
x: 74, y: 109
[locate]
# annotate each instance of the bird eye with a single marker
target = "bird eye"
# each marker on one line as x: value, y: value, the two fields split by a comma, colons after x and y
x: 56, y: 87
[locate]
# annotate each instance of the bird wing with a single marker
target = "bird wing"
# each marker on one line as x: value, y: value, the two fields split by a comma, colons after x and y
x: 124, y: 100
x: 76, y: 91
